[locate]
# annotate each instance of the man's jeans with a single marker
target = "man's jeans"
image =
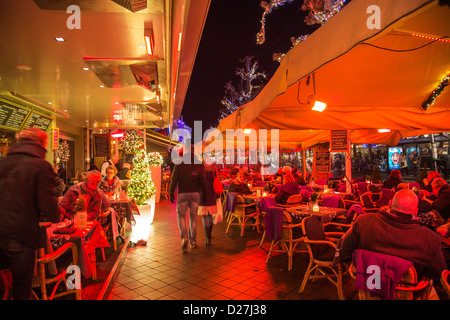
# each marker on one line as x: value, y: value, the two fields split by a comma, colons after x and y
x: 187, y: 201
x: 21, y: 260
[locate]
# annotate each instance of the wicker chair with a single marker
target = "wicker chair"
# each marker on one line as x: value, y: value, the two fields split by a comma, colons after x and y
x: 409, y: 288
x: 290, y: 236
x: 445, y: 281
x: 321, y: 251
x: 43, y: 278
x: 292, y: 201
x: 243, y: 213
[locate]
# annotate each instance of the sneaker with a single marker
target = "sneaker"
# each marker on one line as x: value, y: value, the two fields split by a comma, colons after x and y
x: 184, y: 243
x: 192, y: 245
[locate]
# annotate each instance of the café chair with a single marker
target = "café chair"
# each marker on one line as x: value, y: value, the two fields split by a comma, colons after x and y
x: 107, y: 229
x: 264, y: 203
x: 284, y: 233
x: 322, y: 250
x: 243, y: 213
x: 445, y: 281
x: 408, y: 288
x: 5, y: 276
x: 332, y: 202
x: 43, y: 278
x: 293, y: 201
x: 367, y: 204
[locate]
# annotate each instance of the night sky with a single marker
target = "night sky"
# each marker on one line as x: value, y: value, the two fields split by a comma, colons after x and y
x: 230, y: 35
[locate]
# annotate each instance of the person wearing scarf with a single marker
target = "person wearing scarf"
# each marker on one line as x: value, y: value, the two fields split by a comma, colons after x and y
x: 111, y: 183
x: 96, y: 200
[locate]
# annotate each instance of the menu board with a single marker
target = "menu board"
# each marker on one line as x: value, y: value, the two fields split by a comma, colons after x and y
x: 339, y: 140
x: 322, y: 160
x: 12, y: 116
x: 101, y: 144
x: 38, y: 120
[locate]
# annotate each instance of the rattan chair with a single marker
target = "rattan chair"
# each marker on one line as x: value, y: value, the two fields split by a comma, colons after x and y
x: 43, y: 279
x: 289, y: 239
x: 292, y: 201
x: 244, y: 214
x: 445, y: 281
x: 409, y: 288
x: 321, y: 251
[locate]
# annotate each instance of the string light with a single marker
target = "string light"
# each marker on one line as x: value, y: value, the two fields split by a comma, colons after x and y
x: 436, y: 92
x: 261, y: 36
x: 431, y: 38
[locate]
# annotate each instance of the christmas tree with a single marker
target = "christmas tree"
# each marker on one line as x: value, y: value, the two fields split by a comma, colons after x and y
x: 141, y: 186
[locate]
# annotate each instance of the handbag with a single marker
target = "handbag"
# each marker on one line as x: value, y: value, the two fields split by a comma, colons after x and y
x: 218, y: 217
x: 217, y: 184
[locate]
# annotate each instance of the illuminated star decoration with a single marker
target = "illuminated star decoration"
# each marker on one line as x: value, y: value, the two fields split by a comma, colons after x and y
x: 436, y: 92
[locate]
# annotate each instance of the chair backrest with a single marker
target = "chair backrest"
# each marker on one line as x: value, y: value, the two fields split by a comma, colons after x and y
x: 366, y: 200
x: 312, y: 228
x: 333, y: 202
x: 362, y: 187
x: 353, y: 213
x: 402, y: 271
x: 230, y: 202
x: 273, y: 221
x: 445, y: 281
x: 341, y: 187
x: 266, y: 202
x: 386, y: 197
x: 294, y: 200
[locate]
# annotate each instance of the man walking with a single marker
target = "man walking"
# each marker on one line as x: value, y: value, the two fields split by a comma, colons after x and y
x: 189, y: 178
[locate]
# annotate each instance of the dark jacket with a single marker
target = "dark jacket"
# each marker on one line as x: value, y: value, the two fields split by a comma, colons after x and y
x: 392, y: 182
x: 28, y: 193
x: 388, y: 234
x: 188, y: 178
x: 241, y: 188
x: 209, y: 198
x: 442, y: 203
x: 287, y: 190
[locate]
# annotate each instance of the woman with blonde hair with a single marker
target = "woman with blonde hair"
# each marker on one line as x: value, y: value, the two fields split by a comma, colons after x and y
x: 288, y: 189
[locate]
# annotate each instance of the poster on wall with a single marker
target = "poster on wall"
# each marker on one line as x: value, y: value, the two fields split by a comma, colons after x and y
x: 339, y: 140
x: 394, y: 157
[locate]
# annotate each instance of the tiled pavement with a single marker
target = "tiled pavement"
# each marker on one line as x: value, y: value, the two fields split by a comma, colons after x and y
x: 232, y: 268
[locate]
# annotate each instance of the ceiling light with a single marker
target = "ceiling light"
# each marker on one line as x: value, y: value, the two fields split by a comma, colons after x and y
x: 319, y: 106
x: 247, y: 131
x: 180, y: 35
x: 85, y: 68
x: 384, y: 130
x: 101, y: 86
x: 60, y: 39
x: 149, y: 42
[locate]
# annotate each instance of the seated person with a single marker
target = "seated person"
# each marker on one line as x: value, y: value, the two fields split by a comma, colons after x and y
x: 288, y: 188
x: 442, y: 203
x: 395, y: 178
x: 111, y: 183
x: 97, y: 204
x: 125, y: 172
x: 239, y: 184
x: 395, y: 232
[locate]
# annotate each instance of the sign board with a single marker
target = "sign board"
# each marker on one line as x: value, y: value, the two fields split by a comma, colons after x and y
x: 339, y: 140
x: 55, y: 139
x: 321, y: 161
x: 38, y: 120
x: 12, y: 116
x: 102, y: 145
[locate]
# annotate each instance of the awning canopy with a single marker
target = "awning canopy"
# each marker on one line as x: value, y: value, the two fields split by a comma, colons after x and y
x: 370, y: 79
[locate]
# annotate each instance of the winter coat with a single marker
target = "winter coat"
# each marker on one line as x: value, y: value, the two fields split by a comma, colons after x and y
x: 287, y: 190
x: 28, y: 193
x: 442, y: 203
x: 209, y: 198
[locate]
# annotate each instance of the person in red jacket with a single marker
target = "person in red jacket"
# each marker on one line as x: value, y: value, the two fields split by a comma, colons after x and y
x: 28, y: 194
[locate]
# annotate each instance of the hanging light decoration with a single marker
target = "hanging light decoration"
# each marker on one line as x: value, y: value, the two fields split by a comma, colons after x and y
x: 436, y: 92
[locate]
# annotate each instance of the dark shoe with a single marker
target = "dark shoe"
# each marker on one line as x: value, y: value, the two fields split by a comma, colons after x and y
x: 192, y: 245
x: 184, y: 243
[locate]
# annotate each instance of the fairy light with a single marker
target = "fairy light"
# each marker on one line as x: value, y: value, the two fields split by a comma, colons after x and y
x: 430, y: 38
x: 436, y: 92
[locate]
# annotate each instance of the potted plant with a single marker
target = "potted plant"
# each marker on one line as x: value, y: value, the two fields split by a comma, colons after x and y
x: 155, y: 160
